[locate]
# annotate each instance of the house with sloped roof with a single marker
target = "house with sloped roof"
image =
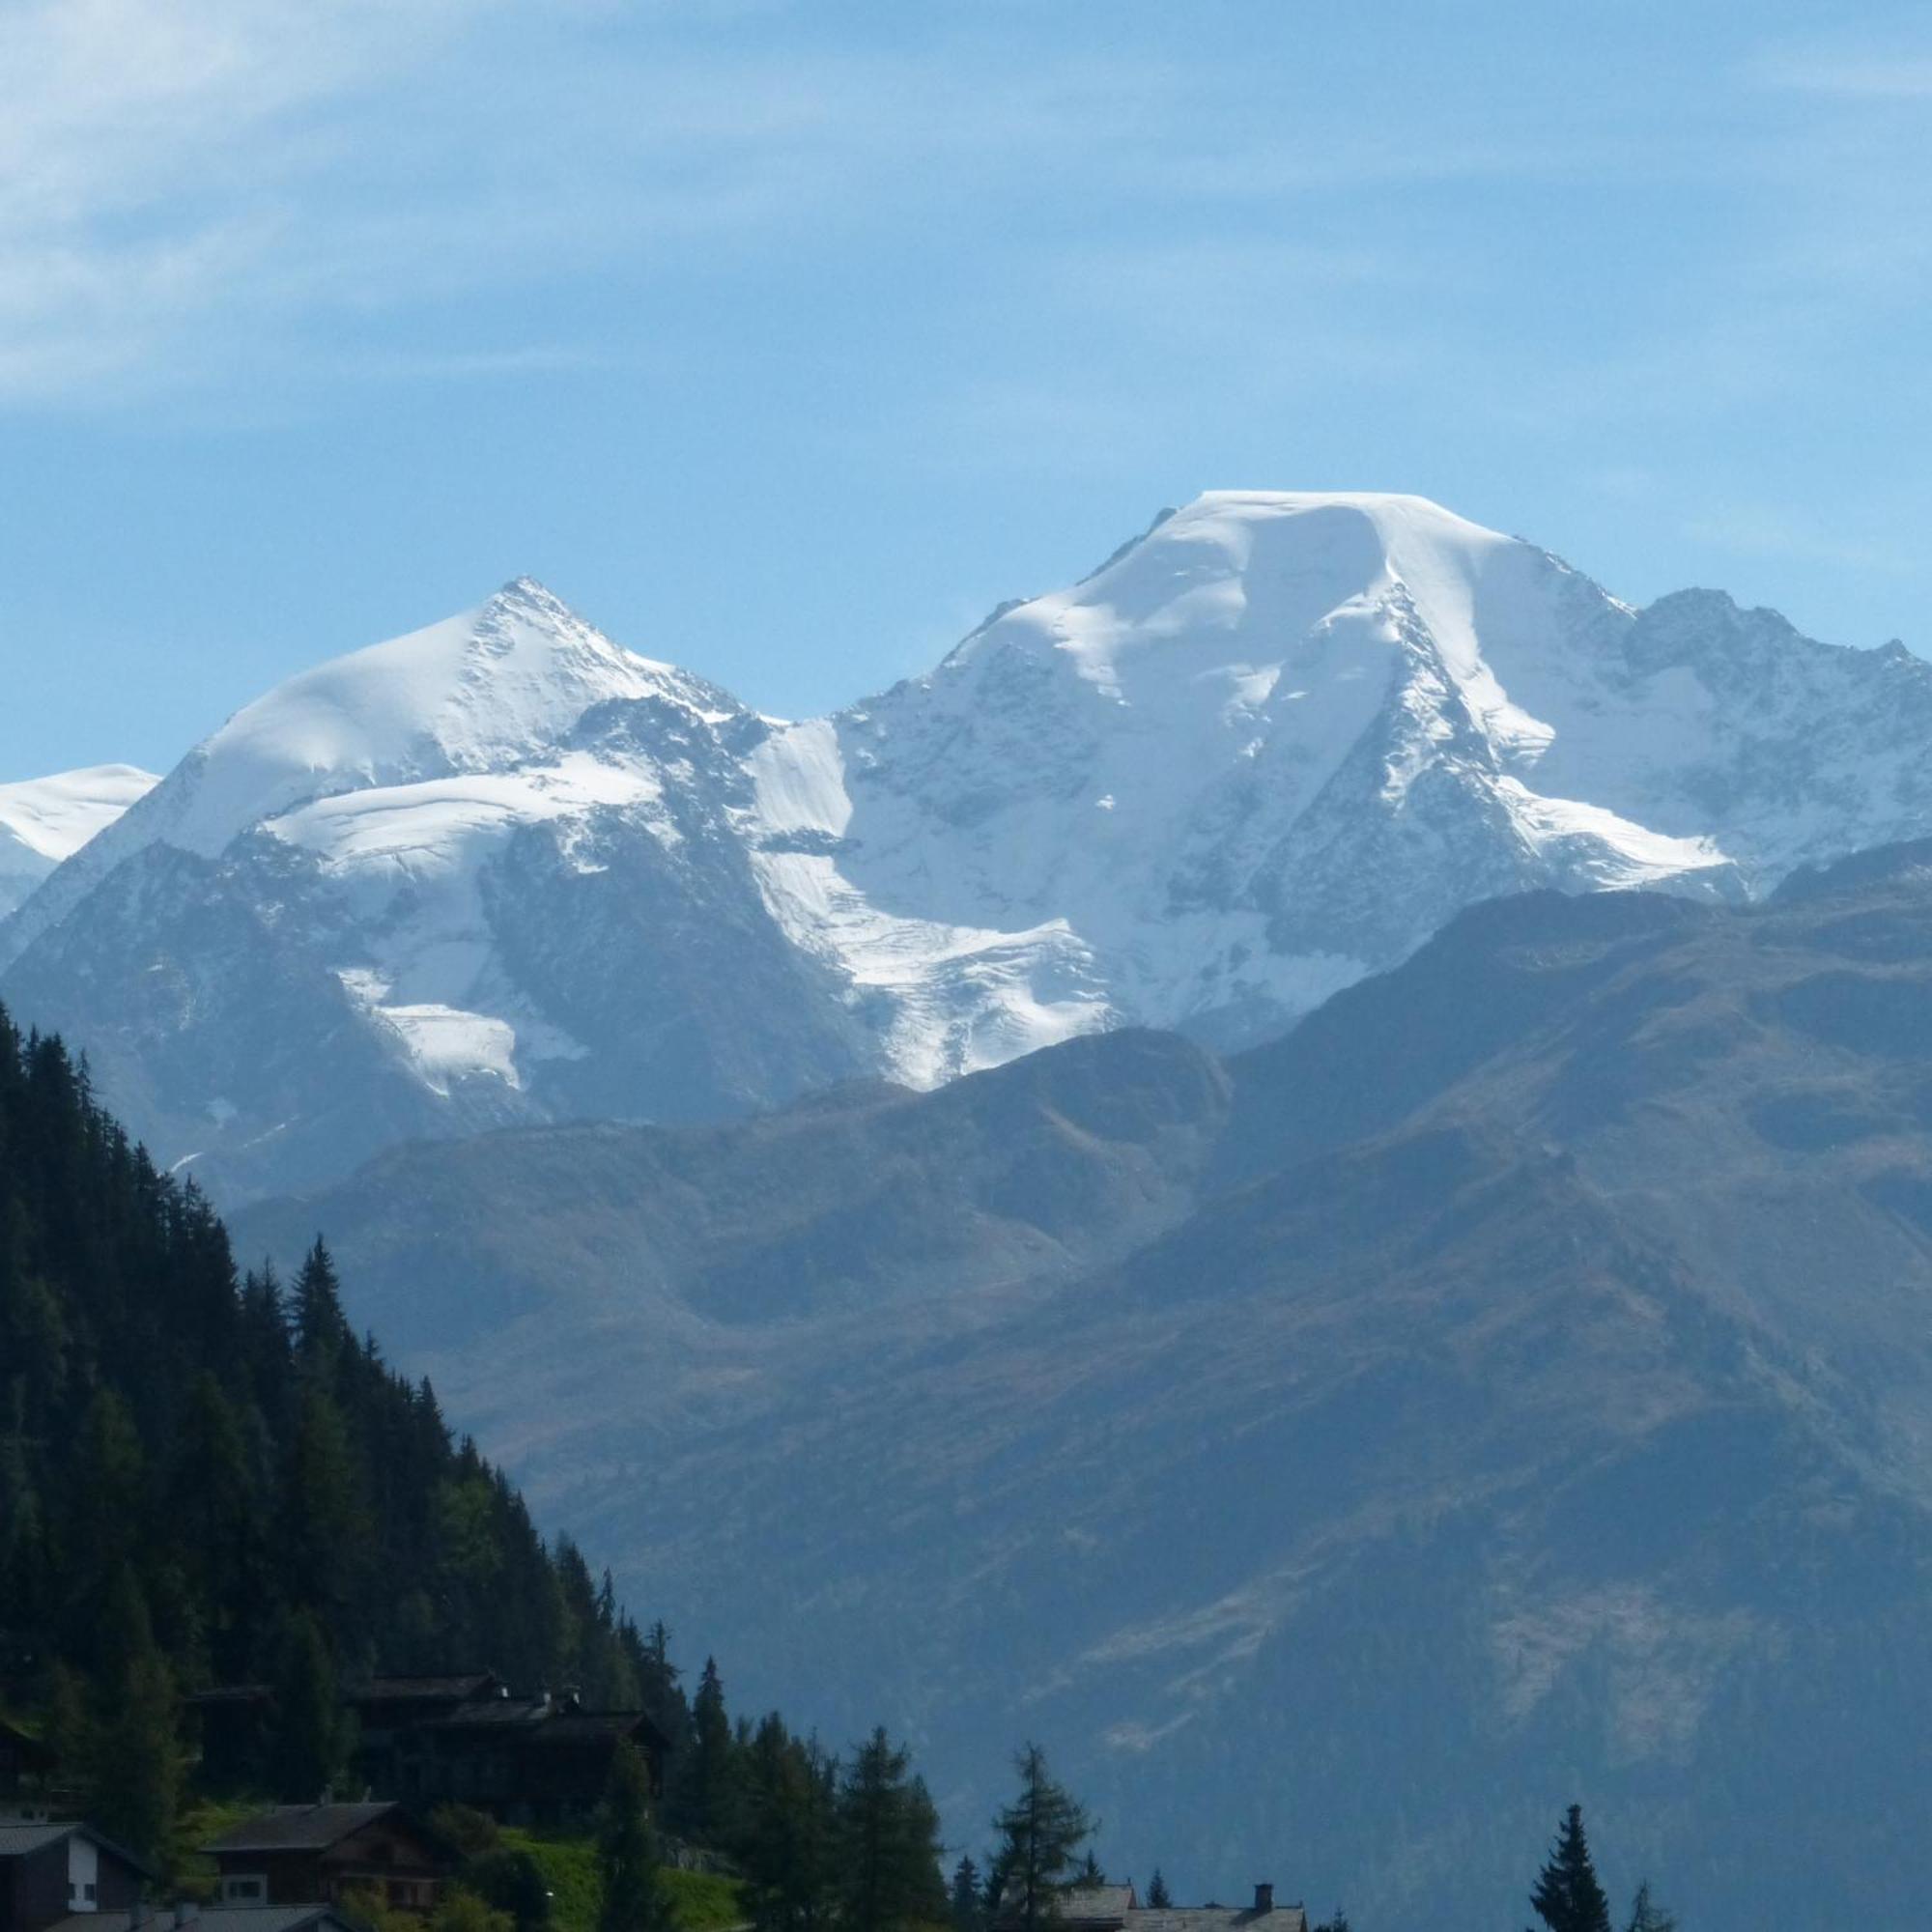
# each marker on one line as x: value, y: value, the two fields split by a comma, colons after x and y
x: 303, y: 1855
x: 538, y: 1760
x: 1261, y: 1915
x: 54, y: 1869
x: 1117, y: 1908
x: 459, y: 1737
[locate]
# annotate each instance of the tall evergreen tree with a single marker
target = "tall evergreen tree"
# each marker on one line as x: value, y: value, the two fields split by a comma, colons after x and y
x: 888, y: 1843
x: 788, y: 1837
x: 321, y: 1334
x: 311, y: 1744
x: 1158, y: 1897
x: 710, y: 1802
x: 1567, y: 1896
x: 1042, y: 1834
x: 132, y: 1741
x: 633, y: 1894
x: 967, y: 1906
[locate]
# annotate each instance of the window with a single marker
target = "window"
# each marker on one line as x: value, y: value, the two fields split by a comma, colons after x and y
x: 251, y: 1889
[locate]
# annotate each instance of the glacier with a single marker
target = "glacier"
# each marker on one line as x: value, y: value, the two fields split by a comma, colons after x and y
x: 44, y: 821
x: 503, y: 870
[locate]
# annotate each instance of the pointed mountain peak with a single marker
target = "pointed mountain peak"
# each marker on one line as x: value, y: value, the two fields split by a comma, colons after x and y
x: 529, y: 594
x: 490, y: 689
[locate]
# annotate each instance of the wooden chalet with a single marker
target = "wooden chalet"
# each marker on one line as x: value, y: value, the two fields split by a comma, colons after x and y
x: 51, y: 1871
x: 324, y: 1853
x: 528, y: 1760
x: 455, y: 1738
x: 1117, y: 1908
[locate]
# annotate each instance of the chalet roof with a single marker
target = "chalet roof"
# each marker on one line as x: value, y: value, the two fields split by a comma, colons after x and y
x: 496, y: 1711
x: 270, y: 1918
x: 1093, y: 1904
x: 213, y: 1919
x: 462, y: 1687
x: 1218, y: 1918
x: 300, y: 1827
x: 19, y: 1838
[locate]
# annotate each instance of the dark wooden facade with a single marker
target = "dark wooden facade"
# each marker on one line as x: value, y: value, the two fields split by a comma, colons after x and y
x: 327, y: 1854
x: 526, y: 1760
x: 50, y: 1872
x: 462, y: 1738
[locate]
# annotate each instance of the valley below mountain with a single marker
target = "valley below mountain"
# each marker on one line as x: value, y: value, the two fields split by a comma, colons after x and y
x: 1512, y: 1384
x: 1303, y: 1173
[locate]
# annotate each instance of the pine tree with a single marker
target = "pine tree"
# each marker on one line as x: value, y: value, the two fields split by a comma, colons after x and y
x: 968, y: 1911
x: 1041, y: 1834
x: 710, y: 1802
x: 635, y: 1898
x: 888, y: 1842
x: 133, y: 1738
x: 1567, y: 1897
x: 311, y: 1741
x: 1158, y: 1897
x: 788, y: 1837
x: 1647, y: 1916
x: 328, y: 1528
x: 321, y: 1334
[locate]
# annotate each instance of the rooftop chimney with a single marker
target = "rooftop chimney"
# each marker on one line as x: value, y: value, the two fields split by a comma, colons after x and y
x: 1263, y: 1898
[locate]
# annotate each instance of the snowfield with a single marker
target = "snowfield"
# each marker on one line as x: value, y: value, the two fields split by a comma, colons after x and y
x: 1267, y: 748
x: 46, y: 820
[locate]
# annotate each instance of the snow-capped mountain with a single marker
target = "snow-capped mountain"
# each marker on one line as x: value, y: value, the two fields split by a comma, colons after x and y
x: 503, y: 869
x: 44, y: 821
x: 489, y: 871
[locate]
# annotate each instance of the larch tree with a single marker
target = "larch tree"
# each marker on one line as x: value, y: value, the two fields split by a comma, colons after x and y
x: 1647, y: 1916
x: 1042, y: 1834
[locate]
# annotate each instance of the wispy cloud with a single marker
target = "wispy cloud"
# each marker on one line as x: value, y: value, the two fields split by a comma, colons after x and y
x: 187, y: 187
x: 1901, y: 75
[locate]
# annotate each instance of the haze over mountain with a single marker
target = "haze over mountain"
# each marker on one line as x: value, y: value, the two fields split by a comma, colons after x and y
x: 503, y: 871
x: 1514, y: 1384
x: 44, y: 821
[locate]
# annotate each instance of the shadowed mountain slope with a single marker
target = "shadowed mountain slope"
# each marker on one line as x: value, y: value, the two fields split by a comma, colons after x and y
x: 1512, y: 1385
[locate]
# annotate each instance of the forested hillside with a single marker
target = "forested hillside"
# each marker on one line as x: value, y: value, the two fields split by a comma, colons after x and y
x: 207, y: 1478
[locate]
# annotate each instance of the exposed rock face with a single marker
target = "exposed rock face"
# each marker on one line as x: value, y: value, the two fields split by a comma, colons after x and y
x: 521, y: 874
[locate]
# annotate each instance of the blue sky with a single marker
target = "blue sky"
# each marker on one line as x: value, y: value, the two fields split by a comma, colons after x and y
x: 784, y: 340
